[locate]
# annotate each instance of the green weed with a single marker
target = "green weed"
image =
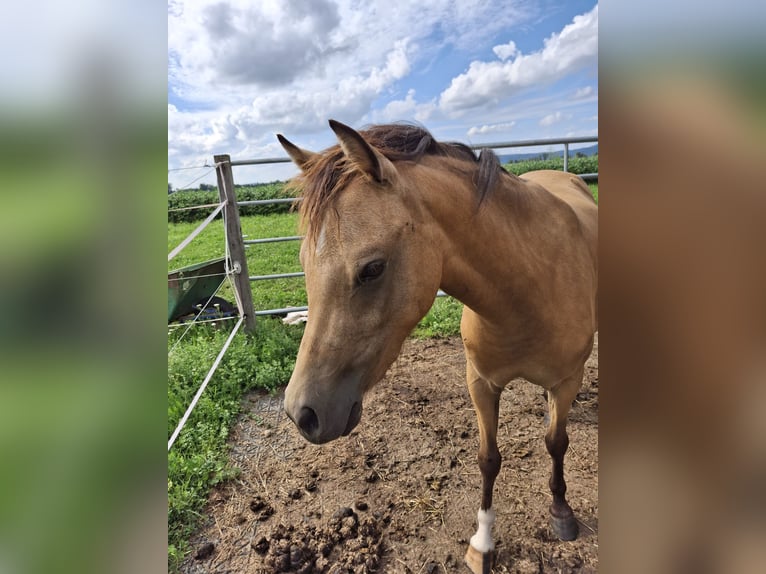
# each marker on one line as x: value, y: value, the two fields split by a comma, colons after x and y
x: 199, y: 458
x: 262, y: 259
x: 180, y: 201
x: 443, y: 320
x: 587, y: 164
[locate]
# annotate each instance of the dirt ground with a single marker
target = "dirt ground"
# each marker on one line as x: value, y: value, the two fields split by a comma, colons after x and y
x: 400, y: 494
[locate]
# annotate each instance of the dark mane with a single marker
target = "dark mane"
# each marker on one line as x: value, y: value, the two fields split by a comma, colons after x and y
x: 328, y: 173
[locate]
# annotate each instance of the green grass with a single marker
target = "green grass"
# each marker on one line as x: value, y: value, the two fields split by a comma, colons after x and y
x: 443, y: 320
x: 207, y: 245
x: 263, y: 259
x: 199, y: 458
x: 270, y: 258
x: 588, y: 164
x: 594, y: 190
x: 180, y: 204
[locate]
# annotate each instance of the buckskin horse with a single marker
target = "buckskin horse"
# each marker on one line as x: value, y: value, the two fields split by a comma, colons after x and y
x: 390, y: 216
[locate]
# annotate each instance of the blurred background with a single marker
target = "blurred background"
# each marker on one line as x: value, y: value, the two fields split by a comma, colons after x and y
x: 682, y: 442
x: 82, y: 392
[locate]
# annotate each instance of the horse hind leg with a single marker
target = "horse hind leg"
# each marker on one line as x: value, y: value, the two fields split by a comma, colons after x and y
x: 486, y: 401
x: 560, y: 399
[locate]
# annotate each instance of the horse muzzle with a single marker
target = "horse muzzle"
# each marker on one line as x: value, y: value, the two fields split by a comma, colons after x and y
x: 320, y: 423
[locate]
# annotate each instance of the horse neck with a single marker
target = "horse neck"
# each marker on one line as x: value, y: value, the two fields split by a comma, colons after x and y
x: 491, y: 248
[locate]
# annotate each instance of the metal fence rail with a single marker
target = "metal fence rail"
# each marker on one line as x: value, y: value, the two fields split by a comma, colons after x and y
x: 565, y: 142
x: 268, y: 201
x: 494, y: 145
x: 272, y: 239
x: 276, y: 276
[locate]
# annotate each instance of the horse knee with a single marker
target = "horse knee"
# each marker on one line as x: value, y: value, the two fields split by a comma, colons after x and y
x: 489, y: 464
x: 557, y: 443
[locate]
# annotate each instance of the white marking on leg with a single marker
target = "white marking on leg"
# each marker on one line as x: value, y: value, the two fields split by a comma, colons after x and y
x: 482, y: 540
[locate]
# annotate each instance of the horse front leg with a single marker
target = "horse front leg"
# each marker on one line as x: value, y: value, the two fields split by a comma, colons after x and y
x: 560, y: 399
x: 486, y: 401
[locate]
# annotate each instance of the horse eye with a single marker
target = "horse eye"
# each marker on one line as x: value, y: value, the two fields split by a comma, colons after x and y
x: 371, y: 271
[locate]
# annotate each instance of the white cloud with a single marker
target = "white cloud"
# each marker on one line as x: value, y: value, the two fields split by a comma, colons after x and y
x: 306, y: 110
x: 554, y: 118
x: 490, y: 128
x: 224, y: 50
x: 505, y: 51
x: 400, y: 108
x: 572, y: 49
x: 285, y: 109
x: 239, y: 43
x: 407, y: 109
x: 239, y: 71
x: 584, y: 92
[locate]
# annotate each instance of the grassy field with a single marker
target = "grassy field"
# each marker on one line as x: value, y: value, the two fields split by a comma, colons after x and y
x: 199, y: 459
x: 265, y: 259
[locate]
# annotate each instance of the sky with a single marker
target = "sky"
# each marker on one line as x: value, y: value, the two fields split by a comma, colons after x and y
x: 475, y: 71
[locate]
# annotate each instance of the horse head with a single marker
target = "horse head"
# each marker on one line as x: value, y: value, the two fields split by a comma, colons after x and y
x: 372, y: 272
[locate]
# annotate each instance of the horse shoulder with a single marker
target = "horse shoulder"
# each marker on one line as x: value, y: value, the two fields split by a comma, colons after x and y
x: 573, y: 197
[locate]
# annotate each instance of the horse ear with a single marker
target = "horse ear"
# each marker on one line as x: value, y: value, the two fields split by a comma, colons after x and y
x: 299, y: 156
x: 363, y: 155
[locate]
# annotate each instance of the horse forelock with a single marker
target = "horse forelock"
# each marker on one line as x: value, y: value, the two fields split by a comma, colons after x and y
x: 329, y: 172
x: 323, y: 177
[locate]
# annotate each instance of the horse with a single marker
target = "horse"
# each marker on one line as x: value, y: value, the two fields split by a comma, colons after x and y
x: 392, y: 215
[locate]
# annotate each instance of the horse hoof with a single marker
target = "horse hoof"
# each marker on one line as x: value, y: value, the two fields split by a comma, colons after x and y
x: 479, y: 562
x: 565, y: 528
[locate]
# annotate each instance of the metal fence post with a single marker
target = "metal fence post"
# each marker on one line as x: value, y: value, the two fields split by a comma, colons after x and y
x: 566, y: 157
x: 234, y: 240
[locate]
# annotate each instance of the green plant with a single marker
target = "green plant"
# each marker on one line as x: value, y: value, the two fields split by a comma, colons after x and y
x: 185, y: 199
x: 263, y: 259
x: 577, y: 165
x: 198, y: 459
x: 443, y: 320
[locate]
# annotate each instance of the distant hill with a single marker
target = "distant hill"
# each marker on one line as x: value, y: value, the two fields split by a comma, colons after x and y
x: 590, y: 150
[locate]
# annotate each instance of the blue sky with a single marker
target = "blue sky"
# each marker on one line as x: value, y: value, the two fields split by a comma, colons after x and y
x: 469, y: 70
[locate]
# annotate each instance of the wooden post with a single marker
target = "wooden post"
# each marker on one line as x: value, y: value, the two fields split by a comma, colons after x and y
x: 234, y: 239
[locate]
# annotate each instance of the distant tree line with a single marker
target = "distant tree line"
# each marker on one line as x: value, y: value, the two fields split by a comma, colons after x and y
x: 207, y: 193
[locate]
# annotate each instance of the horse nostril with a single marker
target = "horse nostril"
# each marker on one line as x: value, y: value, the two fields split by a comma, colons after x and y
x: 308, y: 421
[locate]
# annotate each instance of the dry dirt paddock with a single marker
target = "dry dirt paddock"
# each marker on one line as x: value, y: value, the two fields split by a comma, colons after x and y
x: 400, y: 494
